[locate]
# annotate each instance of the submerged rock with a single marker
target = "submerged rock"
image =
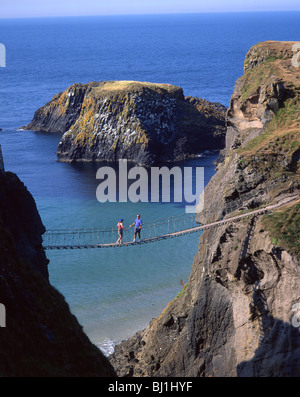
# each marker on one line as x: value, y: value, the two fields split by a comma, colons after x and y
x: 142, y: 122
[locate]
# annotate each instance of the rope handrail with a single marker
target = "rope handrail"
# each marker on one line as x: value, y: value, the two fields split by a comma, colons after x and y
x: 91, y: 238
x: 109, y: 229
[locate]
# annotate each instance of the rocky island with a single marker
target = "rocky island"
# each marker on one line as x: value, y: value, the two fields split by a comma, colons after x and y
x: 142, y: 122
x: 239, y: 313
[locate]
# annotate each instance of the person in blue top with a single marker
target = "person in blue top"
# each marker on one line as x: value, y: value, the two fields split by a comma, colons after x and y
x: 137, y: 227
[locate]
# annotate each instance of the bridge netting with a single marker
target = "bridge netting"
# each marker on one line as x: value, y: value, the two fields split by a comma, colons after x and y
x: 86, y: 237
x: 151, y: 231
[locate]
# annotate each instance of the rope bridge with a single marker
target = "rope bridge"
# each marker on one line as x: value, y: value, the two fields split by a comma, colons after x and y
x: 162, y: 229
x: 106, y: 237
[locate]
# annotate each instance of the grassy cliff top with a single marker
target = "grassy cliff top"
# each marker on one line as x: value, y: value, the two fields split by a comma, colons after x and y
x: 266, y: 63
x: 131, y: 84
x: 271, y: 60
x: 271, y: 51
x: 273, y: 152
x: 127, y: 86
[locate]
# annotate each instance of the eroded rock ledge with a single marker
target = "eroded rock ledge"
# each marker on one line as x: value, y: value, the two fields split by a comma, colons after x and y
x: 142, y: 122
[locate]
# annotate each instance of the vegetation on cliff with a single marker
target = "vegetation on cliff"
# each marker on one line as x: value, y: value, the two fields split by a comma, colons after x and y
x: 234, y: 318
x: 284, y: 227
x: 266, y: 110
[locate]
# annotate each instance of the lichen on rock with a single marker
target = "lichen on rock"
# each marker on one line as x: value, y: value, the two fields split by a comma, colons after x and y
x: 142, y: 122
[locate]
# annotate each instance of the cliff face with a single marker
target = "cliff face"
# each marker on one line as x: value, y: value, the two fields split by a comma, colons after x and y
x: 41, y: 337
x: 237, y: 315
x: 142, y: 122
x: 19, y: 216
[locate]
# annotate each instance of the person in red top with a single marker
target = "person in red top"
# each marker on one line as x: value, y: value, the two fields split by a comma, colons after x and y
x: 120, y: 231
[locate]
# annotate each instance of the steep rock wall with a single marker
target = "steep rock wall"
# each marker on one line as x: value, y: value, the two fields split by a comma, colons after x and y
x: 41, y: 337
x: 235, y: 317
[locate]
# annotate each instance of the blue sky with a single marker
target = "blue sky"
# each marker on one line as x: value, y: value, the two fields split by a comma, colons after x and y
x: 36, y: 8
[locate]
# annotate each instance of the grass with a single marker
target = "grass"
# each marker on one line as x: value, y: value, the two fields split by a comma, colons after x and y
x: 253, y: 78
x: 279, y: 141
x: 287, y: 116
x: 182, y: 291
x: 112, y: 87
x: 267, y: 152
x: 285, y: 140
x: 272, y: 154
x: 284, y: 228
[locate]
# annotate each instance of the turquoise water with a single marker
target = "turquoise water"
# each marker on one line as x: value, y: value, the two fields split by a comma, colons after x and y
x: 115, y: 292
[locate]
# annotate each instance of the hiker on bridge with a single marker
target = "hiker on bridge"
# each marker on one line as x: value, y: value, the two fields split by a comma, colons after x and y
x: 137, y: 227
x: 120, y: 231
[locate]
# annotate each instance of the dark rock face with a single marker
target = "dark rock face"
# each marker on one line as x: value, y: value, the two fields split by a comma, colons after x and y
x: 41, y: 337
x: 19, y: 214
x: 61, y: 112
x: 142, y: 122
x: 237, y: 316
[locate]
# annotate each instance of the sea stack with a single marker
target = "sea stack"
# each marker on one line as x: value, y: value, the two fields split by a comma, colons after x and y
x: 141, y: 122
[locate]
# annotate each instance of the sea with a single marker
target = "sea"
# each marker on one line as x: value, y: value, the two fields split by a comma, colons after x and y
x: 115, y: 292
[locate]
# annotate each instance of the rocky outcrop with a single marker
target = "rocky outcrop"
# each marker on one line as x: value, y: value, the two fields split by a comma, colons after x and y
x: 41, y: 337
x: 239, y: 314
x: 142, y: 122
x: 19, y: 215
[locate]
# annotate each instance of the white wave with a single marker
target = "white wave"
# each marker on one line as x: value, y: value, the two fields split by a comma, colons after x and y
x: 107, y: 346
